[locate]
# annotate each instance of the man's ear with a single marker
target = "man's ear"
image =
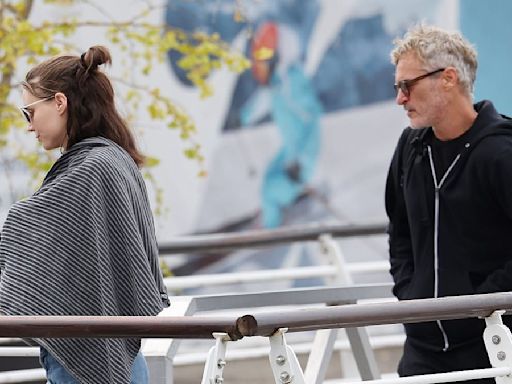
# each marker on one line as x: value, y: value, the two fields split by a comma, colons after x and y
x: 62, y: 102
x: 450, y: 77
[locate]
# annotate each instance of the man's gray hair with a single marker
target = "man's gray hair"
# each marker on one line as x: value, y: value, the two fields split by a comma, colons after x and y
x: 437, y: 48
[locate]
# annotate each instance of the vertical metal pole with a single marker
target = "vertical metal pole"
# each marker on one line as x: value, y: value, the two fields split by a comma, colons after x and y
x: 320, y: 356
x: 216, y: 360
x: 498, y: 342
x: 358, y: 337
x: 283, y: 360
x: 363, y: 353
x: 330, y: 248
x: 323, y: 344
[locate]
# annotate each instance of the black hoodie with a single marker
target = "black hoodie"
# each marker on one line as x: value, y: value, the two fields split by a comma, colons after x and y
x: 474, y: 223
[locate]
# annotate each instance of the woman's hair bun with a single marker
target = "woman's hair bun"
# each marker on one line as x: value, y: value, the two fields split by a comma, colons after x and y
x: 94, y: 56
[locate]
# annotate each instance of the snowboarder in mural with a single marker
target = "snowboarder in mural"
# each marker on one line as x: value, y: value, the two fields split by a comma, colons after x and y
x: 288, y: 94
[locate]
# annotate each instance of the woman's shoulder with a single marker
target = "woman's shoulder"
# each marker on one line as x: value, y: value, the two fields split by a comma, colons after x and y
x: 102, y: 159
x: 105, y: 152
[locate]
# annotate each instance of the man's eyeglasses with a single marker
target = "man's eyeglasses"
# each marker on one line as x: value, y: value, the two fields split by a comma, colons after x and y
x: 405, y: 85
x: 26, y: 111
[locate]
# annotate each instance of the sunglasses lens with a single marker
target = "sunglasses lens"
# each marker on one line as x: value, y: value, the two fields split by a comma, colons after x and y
x: 404, y: 88
x: 26, y: 114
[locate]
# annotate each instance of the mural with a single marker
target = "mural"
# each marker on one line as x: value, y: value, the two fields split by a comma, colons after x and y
x: 305, y: 135
x: 308, y: 133
x: 281, y: 90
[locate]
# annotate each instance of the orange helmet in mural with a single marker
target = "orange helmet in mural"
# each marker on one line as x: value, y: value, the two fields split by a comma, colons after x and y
x: 264, y: 51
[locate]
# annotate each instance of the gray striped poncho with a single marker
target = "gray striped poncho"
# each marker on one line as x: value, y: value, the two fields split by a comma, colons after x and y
x: 84, y: 244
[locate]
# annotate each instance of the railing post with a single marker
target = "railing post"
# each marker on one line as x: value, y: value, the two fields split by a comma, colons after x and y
x: 283, y: 360
x: 358, y: 337
x: 323, y: 344
x: 498, y: 342
x: 330, y: 248
x: 320, y: 355
x: 363, y: 353
x: 216, y: 361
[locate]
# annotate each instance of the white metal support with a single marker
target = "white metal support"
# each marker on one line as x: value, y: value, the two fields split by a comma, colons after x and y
x: 323, y: 344
x: 283, y: 360
x: 358, y: 337
x: 498, y: 342
x: 363, y: 353
x: 330, y: 248
x: 216, y: 360
x: 320, y: 356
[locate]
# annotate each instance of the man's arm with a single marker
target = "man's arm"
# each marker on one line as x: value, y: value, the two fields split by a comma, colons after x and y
x: 400, y: 246
x: 499, y: 171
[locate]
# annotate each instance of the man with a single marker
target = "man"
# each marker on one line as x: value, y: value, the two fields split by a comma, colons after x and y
x: 448, y: 197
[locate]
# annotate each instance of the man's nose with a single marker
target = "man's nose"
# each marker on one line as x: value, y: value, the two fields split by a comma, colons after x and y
x: 30, y: 128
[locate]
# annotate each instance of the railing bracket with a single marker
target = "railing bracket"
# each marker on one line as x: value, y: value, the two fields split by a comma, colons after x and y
x: 498, y: 342
x: 283, y: 360
x: 216, y: 360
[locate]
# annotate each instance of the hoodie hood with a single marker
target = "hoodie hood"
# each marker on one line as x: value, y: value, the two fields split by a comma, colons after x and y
x: 489, y: 122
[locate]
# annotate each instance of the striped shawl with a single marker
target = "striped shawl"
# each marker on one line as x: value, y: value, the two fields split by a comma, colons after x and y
x: 84, y: 244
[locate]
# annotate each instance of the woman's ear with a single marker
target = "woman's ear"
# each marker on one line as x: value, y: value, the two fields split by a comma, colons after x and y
x: 62, y: 102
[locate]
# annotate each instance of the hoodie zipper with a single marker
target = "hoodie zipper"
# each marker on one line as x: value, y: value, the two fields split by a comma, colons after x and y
x: 437, y: 187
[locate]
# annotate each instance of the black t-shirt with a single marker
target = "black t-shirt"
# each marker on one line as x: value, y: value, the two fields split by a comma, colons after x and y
x: 445, y: 152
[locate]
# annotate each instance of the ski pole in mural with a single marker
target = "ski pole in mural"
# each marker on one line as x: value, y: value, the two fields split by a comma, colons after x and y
x: 294, y: 107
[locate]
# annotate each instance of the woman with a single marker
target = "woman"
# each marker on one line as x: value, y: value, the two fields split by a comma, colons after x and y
x: 84, y: 243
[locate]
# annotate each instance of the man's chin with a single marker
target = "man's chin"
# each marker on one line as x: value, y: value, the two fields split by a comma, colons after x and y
x: 417, y: 125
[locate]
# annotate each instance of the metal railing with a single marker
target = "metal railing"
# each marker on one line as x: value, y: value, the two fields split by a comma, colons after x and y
x: 266, y: 237
x: 334, y: 271
x: 357, y: 315
x: 497, y: 337
x: 160, y: 353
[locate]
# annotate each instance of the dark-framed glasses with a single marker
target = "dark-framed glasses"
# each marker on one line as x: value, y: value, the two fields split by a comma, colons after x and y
x: 26, y: 111
x: 405, y: 85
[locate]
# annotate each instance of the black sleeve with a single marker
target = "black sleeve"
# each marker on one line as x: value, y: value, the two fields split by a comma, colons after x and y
x: 400, y: 246
x: 499, y: 169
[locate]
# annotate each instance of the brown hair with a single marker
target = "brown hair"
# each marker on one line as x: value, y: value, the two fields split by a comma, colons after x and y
x: 90, y: 97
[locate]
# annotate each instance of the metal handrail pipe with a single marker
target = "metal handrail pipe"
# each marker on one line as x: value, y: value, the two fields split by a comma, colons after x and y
x: 358, y: 315
x: 266, y: 237
x: 179, y: 327
x: 262, y: 324
x: 19, y: 351
x: 23, y: 376
x: 192, y: 281
x: 447, y: 377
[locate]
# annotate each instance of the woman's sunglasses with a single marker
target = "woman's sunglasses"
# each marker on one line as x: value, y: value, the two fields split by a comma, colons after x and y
x: 27, y: 113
